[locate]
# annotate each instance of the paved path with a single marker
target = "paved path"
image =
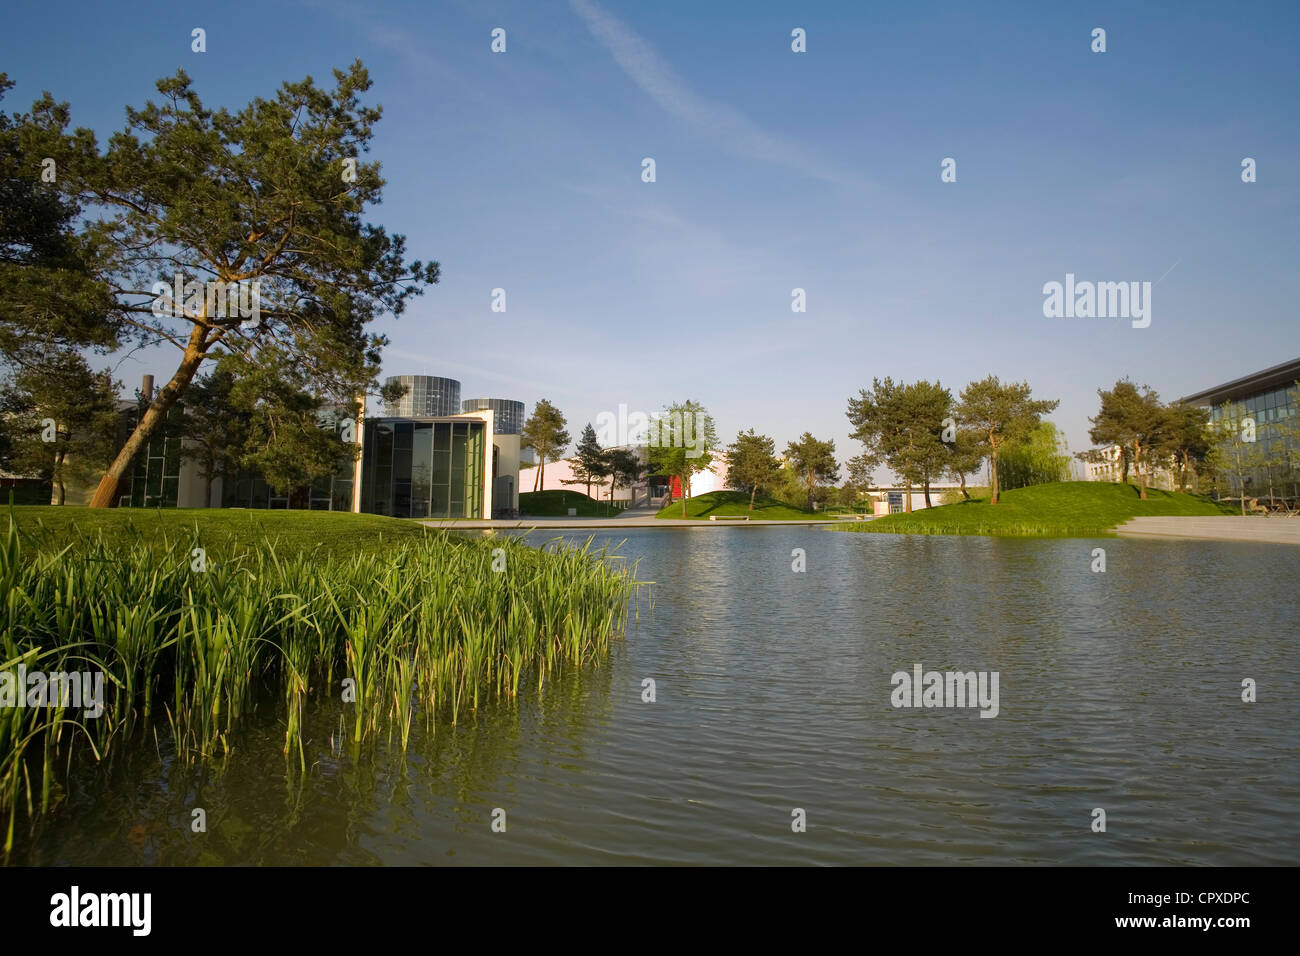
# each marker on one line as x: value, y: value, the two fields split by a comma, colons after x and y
x: 1252, y: 528
x: 632, y: 518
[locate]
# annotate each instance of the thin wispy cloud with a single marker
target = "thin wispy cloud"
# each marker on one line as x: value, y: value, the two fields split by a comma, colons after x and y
x: 718, y: 122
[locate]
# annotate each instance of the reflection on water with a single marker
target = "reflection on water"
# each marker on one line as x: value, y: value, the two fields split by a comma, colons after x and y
x: 1118, y: 690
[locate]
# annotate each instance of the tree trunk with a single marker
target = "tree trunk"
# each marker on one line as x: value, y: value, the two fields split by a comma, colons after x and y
x: 195, y: 352
x: 63, y: 492
x: 964, y: 493
x: 927, y: 493
x: 907, y: 494
x: 752, y: 491
x: 993, y: 477
x: 1141, y: 475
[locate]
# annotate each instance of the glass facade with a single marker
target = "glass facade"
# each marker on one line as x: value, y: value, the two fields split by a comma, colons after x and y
x: 247, y: 489
x: 426, y: 396
x: 423, y: 469
x: 509, y: 414
x: 1275, y: 457
x: 154, y: 478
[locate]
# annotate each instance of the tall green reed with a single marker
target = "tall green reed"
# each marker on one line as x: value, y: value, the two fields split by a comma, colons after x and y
x: 425, y: 629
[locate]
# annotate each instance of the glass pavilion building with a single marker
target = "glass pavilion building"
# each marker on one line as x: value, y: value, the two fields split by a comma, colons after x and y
x: 426, y: 467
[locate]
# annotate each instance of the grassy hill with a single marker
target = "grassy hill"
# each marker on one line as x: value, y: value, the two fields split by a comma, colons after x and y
x: 737, y: 503
x: 1062, y: 509
x: 556, y: 503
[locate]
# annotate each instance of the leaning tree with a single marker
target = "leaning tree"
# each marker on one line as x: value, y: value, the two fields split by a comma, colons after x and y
x: 218, y: 231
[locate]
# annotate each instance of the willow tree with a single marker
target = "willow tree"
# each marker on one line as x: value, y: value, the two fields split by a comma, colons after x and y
x: 221, y: 231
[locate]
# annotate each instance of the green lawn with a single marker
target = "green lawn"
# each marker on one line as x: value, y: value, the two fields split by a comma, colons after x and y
x: 1062, y: 509
x: 556, y: 503
x: 293, y: 532
x: 737, y: 503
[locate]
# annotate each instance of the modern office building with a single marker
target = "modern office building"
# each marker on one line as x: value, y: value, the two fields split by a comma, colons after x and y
x: 427, y: 396
x: 1271, y: 399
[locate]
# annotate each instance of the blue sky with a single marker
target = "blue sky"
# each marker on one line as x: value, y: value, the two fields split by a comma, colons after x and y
x: 776, y: 170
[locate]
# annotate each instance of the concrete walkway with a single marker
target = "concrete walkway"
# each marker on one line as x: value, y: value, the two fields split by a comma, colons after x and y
x: 1251, y: 528
x: 631, y: 518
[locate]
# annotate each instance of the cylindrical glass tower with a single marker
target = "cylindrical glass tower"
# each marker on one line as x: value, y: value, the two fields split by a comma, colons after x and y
x: 426, y: 396
x: 509, y: 417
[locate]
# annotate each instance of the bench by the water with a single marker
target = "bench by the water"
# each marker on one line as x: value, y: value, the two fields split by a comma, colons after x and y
x: 728, y: 517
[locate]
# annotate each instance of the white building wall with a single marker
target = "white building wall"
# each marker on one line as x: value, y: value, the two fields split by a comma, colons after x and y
x: 191, y: 491
x: 558, y: 472
x: 508, y: 463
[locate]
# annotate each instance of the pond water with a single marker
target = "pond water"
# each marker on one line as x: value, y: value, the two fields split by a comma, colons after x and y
x: 1119, y: 690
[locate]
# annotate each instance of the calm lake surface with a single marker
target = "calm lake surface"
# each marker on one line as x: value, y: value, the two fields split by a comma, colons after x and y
x: 1119, y: 690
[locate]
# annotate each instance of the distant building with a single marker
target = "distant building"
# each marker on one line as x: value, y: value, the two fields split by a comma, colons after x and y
x: 893, y: 500
x: 653, y: 489
x: 1108, y: 465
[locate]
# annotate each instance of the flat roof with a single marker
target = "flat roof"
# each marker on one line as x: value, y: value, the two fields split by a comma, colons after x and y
x: 1270, y: 378
x: 458, y: 417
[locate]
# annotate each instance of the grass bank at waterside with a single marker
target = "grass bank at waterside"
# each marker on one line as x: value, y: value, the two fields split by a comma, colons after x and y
x: 557, y: 502
x: 197, y: 619
x: 1060, y: 510
x: 723, y: 503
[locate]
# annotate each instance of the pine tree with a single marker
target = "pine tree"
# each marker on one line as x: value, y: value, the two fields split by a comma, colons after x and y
x: 814, y: 460
x: 260, y: 208
x: 544, y: 432
x: 752, y: 465
x: 996, y: 414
